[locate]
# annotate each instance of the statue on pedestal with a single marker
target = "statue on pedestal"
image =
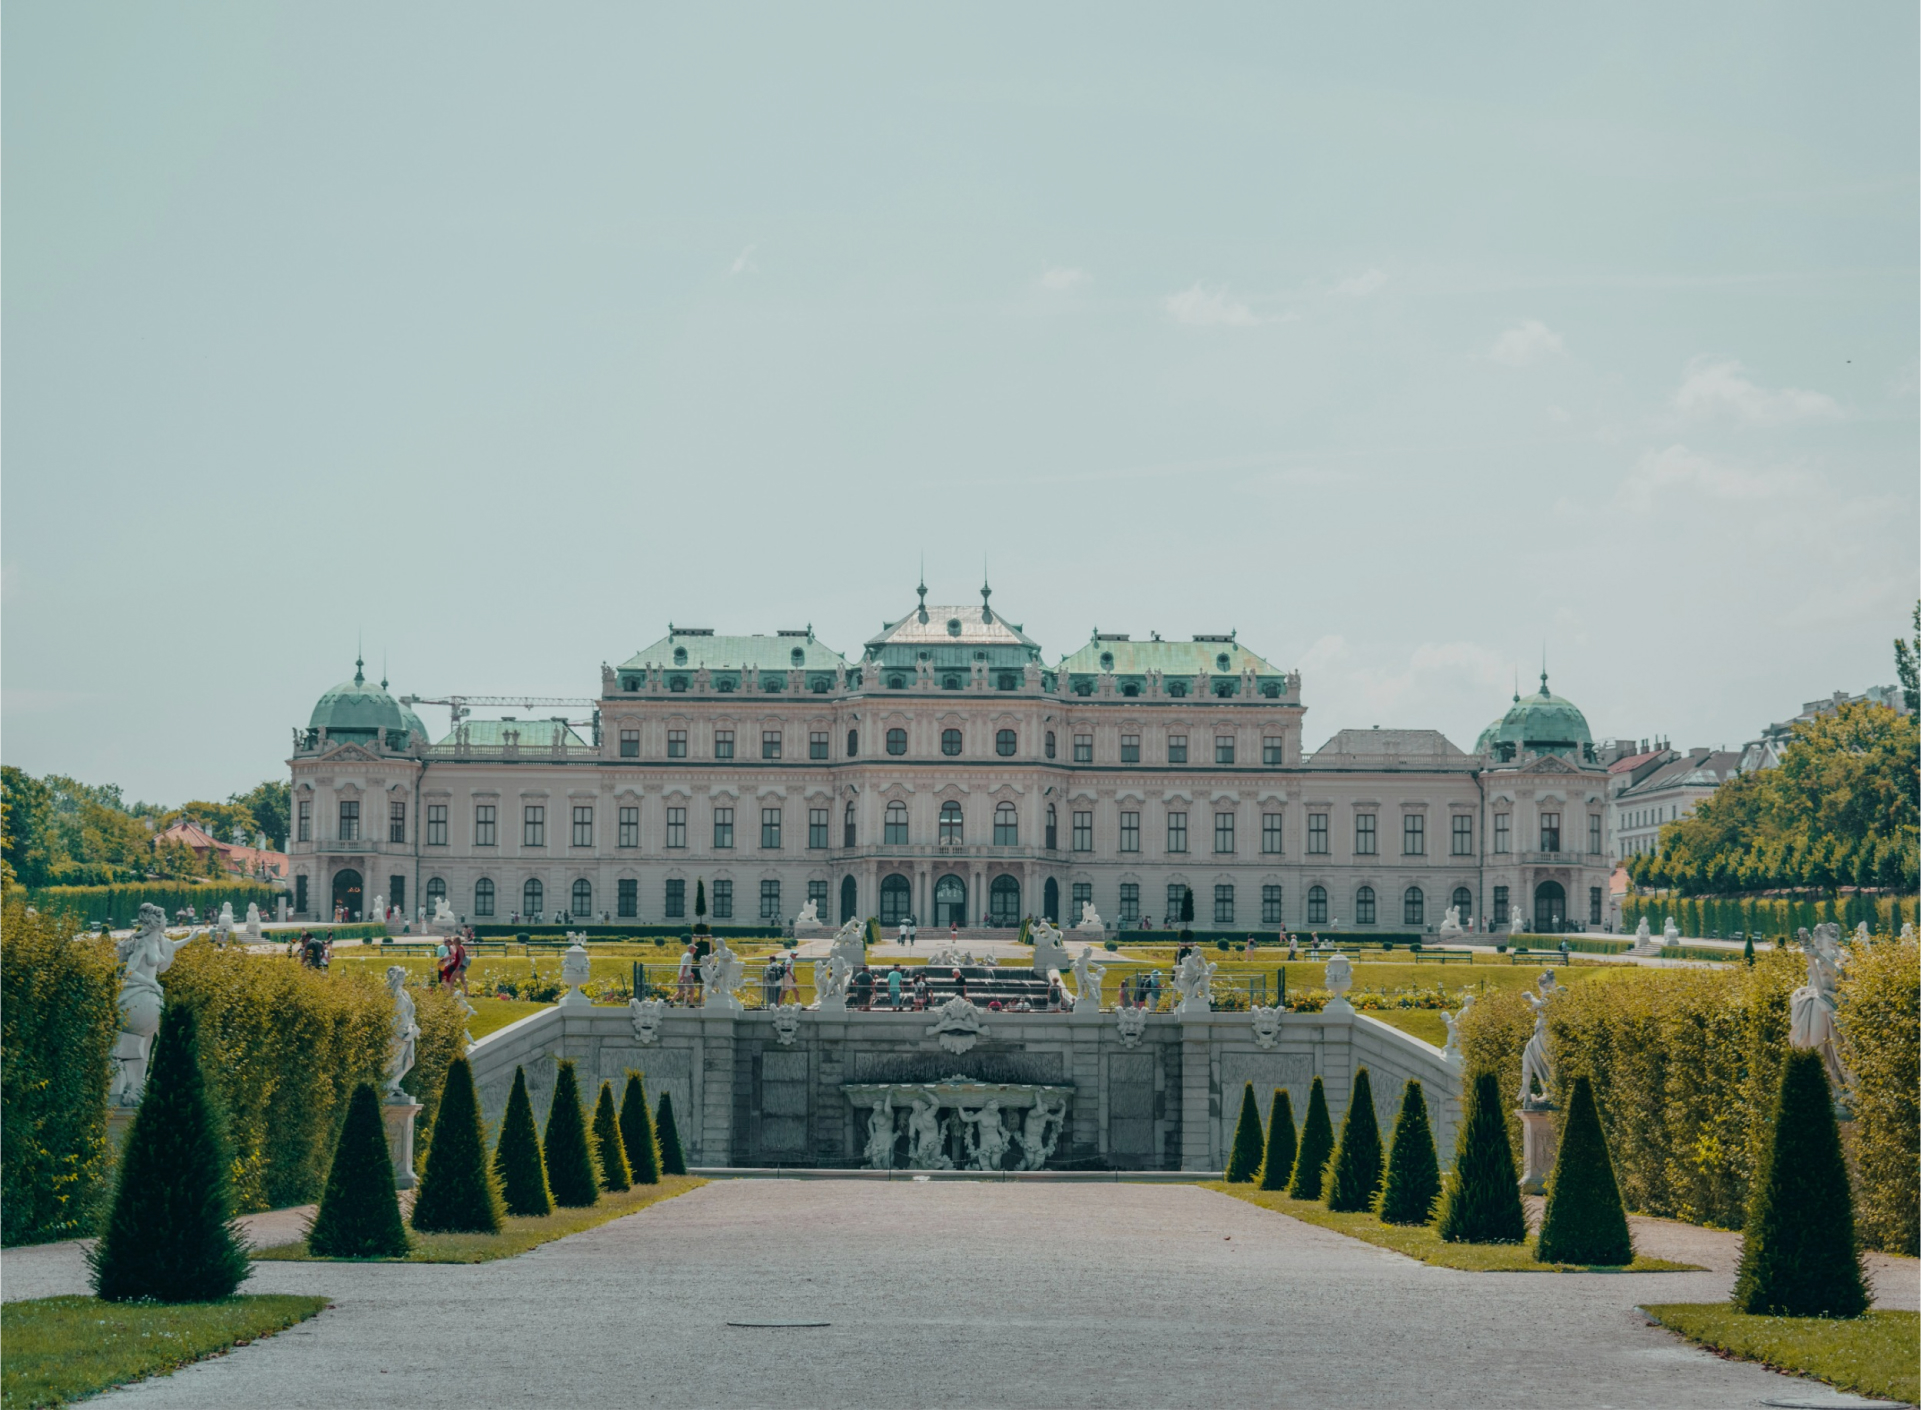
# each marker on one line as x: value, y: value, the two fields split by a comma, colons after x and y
x: 1340, y: 978
x: 400, y: 1048
x: 1087, y: 980
x: 1193, y: 980
x: 147, y: 954
x: 720, y: 973
x: 1535, y: 1064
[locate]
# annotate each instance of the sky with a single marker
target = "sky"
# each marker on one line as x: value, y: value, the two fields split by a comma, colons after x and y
x: 1410, y: 343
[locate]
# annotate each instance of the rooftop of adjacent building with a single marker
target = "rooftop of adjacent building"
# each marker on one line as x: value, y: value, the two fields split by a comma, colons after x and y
x: 1698, y: 768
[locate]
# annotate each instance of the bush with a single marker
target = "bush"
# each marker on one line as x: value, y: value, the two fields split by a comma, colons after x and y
x: 359, y: 1215
x: 122, y: 903
x: 442, y: 1041
x: 1244, y: 1160
x: 667, y: 1135
x: 1584, y: 1221
x: 570, y: 1162
x: 457, y: 1194
x: 637, y: 1132
x: 1798, y: 1254
x: 170, y: 1235
x: 1413, y: 1169
x: 1481, y: 1201
x: 1356, y: 1177
x: 1277, y: 1165
x: 1880, y: 1000
x: 517, y: 1161
x: 57, y: 1024
x: 614, y: 1174
x: 1317, y: 1143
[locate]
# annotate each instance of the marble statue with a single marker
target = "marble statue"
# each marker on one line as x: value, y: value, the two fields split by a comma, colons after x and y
x: 1267, y: 1025
x: 879, y: 1149
x: 224, y: 927
x: 646, y: 1015
x: 400, y: 1048
x: 1670, y: 933
x: 1193, y: 979
x: 443, y: 914
x: 1907, y: 930
x: 924, y: 1143
x: 1452, y: 1052
x: 1515, y: 923
x: 1451, y: 924
x: 378, y: 910
x: 1862, y: 935
x: 809, y: 917
x: 1132, y: 1024
x: 576, y: 968
x: 830, y: 989
x: 1535, y: 1065
x: 147, y: 954
x: 1090, y: 918
x: 986, y: 1137
x: 253, y: 922
x: 1641, y: 932
x: 1811, y: 1008
x: 1087, y: 980
x: 720, y: 973
x: 1050, y: 949
x: 1038, y: 1132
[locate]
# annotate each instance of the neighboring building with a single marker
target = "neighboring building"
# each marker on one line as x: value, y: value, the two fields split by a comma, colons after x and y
x: 1666, y: 792
x: 258, y: 861
x: 1628, y: 764
x: 1765, y: 752
x: 949, y: 774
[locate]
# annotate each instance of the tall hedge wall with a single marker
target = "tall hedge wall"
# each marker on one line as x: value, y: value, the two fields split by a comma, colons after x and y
x: 87, y: 904
x: 1769, y: 916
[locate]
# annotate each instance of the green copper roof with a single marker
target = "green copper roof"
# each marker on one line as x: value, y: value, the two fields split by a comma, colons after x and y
x: 533, y: 734
x: 953, y: 637
x: 1542, y: 722
x: 1221, y: 656
x: 693, y: 649
x: 357, y: 708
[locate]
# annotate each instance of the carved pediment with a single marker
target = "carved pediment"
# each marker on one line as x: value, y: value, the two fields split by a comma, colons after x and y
x: 351, y: 754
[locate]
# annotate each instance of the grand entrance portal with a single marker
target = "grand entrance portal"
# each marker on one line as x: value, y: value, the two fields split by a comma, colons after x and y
x: 950, y: 902
x: 347, y: 893
x: 1550, y: 907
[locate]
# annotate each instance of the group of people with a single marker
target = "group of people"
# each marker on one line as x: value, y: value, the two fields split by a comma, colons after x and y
x: 314, y: 951
x: 451, y: 958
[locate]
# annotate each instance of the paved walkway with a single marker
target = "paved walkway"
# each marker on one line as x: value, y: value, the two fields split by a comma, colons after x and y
x: 965, y: 1294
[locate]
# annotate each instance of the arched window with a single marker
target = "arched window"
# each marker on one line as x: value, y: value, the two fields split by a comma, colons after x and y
x: 847, y: 830
x: 849, y: 898
x: 1364, y: 906
x: 1413, y: 907
x: 1004, y: 901
x: 1050, y: 744
x: 1004, y: 743
x: 677, y: 685
x: 1051, y: 900
x: 1463, y: 903
x: 897, y: 741
x: 950, y: 901
x: 853, y: 743
x: 436, y: 891
x: 896, y: 899
x: 1053, y: 830
x: 895, y: 831
x: 1317, y: 905
x: 1272, y: 690
x: 532, y: 897
x: 897, y: 682
x: 1007, y: 832
x: 950, y: 741
x: 1177, y: 689
x: 950, y: 822
x: 680, y: 655
x: 583, y: 899
x: 950, y: 683
x: 483, y: 897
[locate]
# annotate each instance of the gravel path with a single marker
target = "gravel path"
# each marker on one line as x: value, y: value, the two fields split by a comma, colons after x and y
x: 965, y: 1294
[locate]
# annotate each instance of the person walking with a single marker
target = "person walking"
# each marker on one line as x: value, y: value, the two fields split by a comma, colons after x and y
x: 684, y: 980
x: 913, y: 931
x: 903, y: 933
x: 789, y: 983
x: 893, y: 988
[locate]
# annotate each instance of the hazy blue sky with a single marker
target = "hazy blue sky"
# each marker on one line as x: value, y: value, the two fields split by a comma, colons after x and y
x: 1402, y: 339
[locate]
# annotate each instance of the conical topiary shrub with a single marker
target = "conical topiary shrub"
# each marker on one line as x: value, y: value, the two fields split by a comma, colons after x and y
x: 1798, y: 1253
x: 1481, y: 1200
x: 1277, y: 1166
x: 1317, y: 1143
x: 607, y: 1148
x: 1244, y: 1160
x: 637, y: 1132
x: 667, y: 1135
x: 457, y: 1194
x: 571, y: 1176
x: 1356, y: 1176
x: 170, y: 1234
x: 1413, y: 1169
x: 359, y: 1214
x: 517, y: 1163
x: 1584, y: 1221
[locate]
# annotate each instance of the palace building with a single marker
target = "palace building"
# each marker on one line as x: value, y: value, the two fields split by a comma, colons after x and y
x: 951, y: 774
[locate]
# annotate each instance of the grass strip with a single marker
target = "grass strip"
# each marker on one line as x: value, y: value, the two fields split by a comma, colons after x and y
x: 517, y: 1235
x: 1423, y: 1242
x: 61, y: 1348
x: 1874, y: 1354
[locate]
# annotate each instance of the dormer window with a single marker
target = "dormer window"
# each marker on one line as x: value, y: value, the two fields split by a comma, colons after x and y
x: 953, y: 626
x: 1107, y: 660
x: 1221, y: 662
x: 797, y: 656
x: 680, y: 655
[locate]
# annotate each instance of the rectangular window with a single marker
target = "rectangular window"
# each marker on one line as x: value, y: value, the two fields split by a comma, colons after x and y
x: 817, y: 746
x: 627, y: 899
x: 1176, y: 905
x: 770, y: 744
x: 1130, y: 902
x: 1271, y: 754
x: 677, y: 744
x: 533, y: 825
x: 397, y: 893
x: 349, y: 822
x: 1594, y: 905
x: 816, y: 827
x: 1177, y: 832
x: 1130, y: 832
x: 1463, y: 835
x: 1223, y: 748
x: 629, y: 827
x: 1224, y: 903
x: 1317, y: 834
x: 1130, y: 749
x: 1083, y: 748
x: 723, y: 744
x: 1082, y: 895
x: 1083, y: 832
x: 1223, y: 832
x: 436, y: 824
x: 723, y: 900
x: 1316, y: 906
x: 1270, y: 905
x: 300, y: 892
x: 676, y: 903
x: 723, y: 827
x: 1594, y: 834
x: 1177, y: 749
x: 1271, y: 834
x: 1413, y: 835
x: 1364, y: 834
x: 770, y: 900
x: 817, y: 893
x: 583, y: 826
x: 484, y: 825
x: 1550, y: 832
x: 396, y: 822
x: 306, y: 825
x: 1501, y: 832
x: 1500, y: 906
x: 630, y: 744
x: 676, y: 832
x: 770, y: 829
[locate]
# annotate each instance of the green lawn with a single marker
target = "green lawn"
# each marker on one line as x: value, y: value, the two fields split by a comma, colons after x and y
x: 1875, y: 1355
x: 61, y: 1348
x: 491, y: 1014
x: 1425, y: 1024
x: 517, y: 1236
x: 1422, y: 1242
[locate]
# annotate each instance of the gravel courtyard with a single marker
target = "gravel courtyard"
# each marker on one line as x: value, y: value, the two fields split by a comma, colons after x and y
x: 966, y: 1294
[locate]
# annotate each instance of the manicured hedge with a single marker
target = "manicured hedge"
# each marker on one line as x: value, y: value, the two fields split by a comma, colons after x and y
x: 122, y: 903
x: 1881, y: 1045
x: 1719, y: 917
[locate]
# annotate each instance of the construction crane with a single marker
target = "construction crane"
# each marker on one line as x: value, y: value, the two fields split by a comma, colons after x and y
x: 461, y: 706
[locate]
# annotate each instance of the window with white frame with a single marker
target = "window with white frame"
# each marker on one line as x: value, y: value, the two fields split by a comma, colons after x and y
x: 770, y: 744
x: 1130, y: 832
x: 894, y: 824
x: 583, y: 825
x: 1271, y: 834
x: 817, y: 744
x: 723, y: 827
x: 1223, y: 748
x: 770, y: 829
x: 1271, y: 905
x: 1413, y: 907
x: 1317, y: 834
x: 816, y: 828
x: 723, y: 744
x: 1364, y: 906
x: 1317, y: 905
x: 1550, y: 832
x: 1177, y: 832
x: 484, y: 825
x: 1272, y: 754
x: 723, y: 900
x: 396, y: 821
x: 1501, y: 833
x: 1177, y: 749
x: 950, y: 823
x: 677, y: 744
x: 533, y: 825
x: 436, y: 824
x: 1364, y: 834
x: 483, y: 897
x: 1007, y: 831
x: 1463, y: 835
x: 626, y: 898
x: 1413, y: 835
x: 770, y: 900
x: 1083, y: 831
x: 676, y: 828
x: 304, y: 831
x: 629, y: 820
x: 349, y: 820
x: 1130, y: 902
x: 582, y: 902
x: 1224, y: 903
x: 1083, y: 748
x: 630, y: 744
x: 1130, y: 749
x: 1594, y: 834
x: 1223, y: 832
x: 674, y: 899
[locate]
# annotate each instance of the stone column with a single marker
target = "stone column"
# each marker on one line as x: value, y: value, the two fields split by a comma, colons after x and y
x: 399, y: 1116
x: 1538, y: 1145
x: 1197, y: 1093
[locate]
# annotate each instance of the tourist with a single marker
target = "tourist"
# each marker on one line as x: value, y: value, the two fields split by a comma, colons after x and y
x: 769, y: 983
x: 1154, y: 991
x: 1248, y: 950
x: 913, y: 931
x: 684, y: 980
x: 920, y: 991
x: 1293, y: 947
x: 864, y: 987
x: 1054, y: 992
x: 903, y: 933
x: 789, y: 984
x: 441, y: 975
x: 893, y: 988
x: 953, y: 930
x: 327, y: 951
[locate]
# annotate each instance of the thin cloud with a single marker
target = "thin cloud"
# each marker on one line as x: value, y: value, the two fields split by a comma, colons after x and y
x: 1059, y: 281
x: 1528, y: 341
x: 1202, y: 307
x: 744, y: 262
x: 1677, y: 469
x: 1361, y: 285
x: 1724, y: 389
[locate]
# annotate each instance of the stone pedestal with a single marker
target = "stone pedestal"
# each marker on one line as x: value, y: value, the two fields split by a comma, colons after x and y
x: 1537, y: 1147
x: 399, y: 1116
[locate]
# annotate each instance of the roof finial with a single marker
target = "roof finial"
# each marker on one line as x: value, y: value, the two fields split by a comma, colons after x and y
x: 921, y: 614
x: 1544, y: 667
x: 360, y: 651
x: 383, y: 670
x: 1517, y: 685
x: 987, y: 613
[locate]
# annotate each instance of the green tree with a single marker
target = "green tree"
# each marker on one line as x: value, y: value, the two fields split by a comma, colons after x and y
x: 614, y: 1174
x: 1356, y: 1177
x: 29, y: 826
x: 1413, y: 1169
x: 458, y: 1194
x: 672, y: 1162
x: 517, y: 1160
x: 1244, y: 1161
x: 1481, y: 1200
x: 171, y: 1235
x: 271, y: 806
x: 1907, y: 665
x: 637, y: 1132
x: 359, y: 1214
x: 1317, y: 1144
x: 1584, y: 1221
x: 1277, y: 1165
x: 570, y: 1159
